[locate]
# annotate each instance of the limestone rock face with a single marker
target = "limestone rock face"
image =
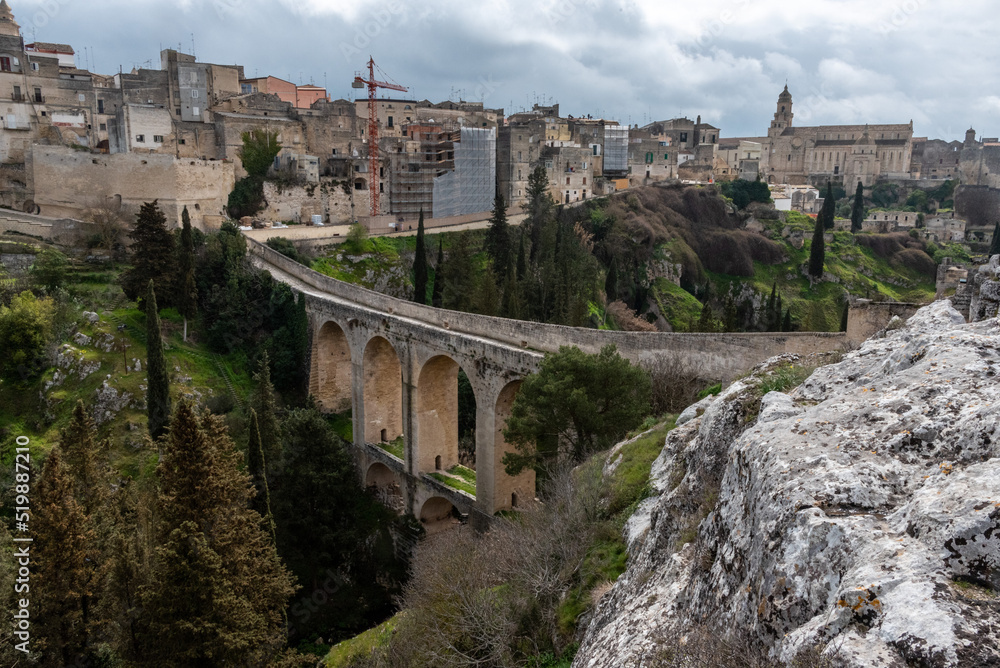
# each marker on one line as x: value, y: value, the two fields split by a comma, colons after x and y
x: 859, y: 513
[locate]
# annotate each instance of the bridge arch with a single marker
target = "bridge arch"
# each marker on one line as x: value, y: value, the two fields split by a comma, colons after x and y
x: 508, y: 491
x: 436, y: 442
x: 384, y: 484
x: 437, y: 514
x: 330, y: 378
x: 383, y: 392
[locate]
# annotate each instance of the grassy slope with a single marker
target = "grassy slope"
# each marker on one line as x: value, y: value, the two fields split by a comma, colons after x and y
x: 857, y: 269
x: 194, y: 372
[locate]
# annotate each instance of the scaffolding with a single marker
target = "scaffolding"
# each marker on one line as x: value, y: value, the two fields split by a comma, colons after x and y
x: 471, y: 185
x: 615, y: 151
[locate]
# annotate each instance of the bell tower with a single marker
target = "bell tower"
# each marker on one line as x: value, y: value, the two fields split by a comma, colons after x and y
x: 783, y: 115
x: 8, y: 26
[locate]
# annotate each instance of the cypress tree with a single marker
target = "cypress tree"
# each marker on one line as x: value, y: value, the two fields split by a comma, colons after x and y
x: 257, y: 468
x: 63, y: 542
x: 858, y: 209
x: 829, y: 211
x: 157, y: 382
x: 218, y: 589
x: 817, y: 251
x: 187, y: 296
x: 511, y: 307
x: 521, y: 263
x: 786, y: 324
x: 539, y: 208
x: 706, y: 322
x: 420, y: 265
x: 498, y: 239
x: 777, y: 314
x: 995, y: 244
x: 769, y: 317
x: 438, y: 276
x: 263, y: 404
x: 844, y: 315
x: 611, y: 282
x: 152, y: 254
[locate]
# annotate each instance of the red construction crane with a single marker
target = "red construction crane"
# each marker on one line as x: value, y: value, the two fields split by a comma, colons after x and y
x: 373, y: 164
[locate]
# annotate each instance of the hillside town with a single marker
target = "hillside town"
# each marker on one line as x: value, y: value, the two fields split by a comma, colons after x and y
x: 74, y: 140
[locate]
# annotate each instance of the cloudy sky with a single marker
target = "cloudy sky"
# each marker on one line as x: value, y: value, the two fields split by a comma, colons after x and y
x: 845, y: 61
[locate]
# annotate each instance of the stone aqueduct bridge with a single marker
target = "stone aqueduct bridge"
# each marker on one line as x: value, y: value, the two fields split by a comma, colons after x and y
x: 395, y: 363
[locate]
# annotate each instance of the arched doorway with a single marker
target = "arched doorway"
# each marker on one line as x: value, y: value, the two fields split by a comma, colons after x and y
x: 509, y: 491
x: 437, y: 514
x: 330, y: 380
x: 384, y: 484
x: 383, y: 392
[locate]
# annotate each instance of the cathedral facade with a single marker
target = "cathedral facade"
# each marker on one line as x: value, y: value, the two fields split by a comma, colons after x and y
x: 842, y: 154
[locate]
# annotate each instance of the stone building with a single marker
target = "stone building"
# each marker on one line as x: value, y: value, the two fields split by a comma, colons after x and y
x: 842, y: 154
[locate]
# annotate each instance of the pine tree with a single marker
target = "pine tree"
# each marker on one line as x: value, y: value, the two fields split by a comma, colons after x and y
x: 420, y: 265
x: 63, y: 541
x: 152, y: 254
x: 512, y: 306
x: 85, y: 458
x: 256, y: 467
x: 498, y: 239
x: 817, y: 251
x: 128, y: 555
x: 187, y: 296
x: 858, y: 209
x: 995, y: 244
x: 157, y: 382
x: 438, y: 276
x: 263, y: 404
x: 829, y: 211
x: 218, y: 590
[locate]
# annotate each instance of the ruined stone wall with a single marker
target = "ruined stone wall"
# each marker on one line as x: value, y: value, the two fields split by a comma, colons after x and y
x: 865, y: 317
x: 61, y: 231
x: 298, y: 203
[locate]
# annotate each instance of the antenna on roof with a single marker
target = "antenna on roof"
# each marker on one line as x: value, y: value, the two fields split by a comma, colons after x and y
x: 193, y: 52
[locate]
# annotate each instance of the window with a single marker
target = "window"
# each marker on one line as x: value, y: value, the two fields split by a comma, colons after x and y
x: 666, y: 156
x: 567, y: 180
x: 100, y: 106
x: 182, y: 141
x: 334, y: 152
x: 103, y: 127
x: 158, y: 139
x: 194, y: 94
x: 17, y: 94
x: 141, y: 139
x: 713, y: 139
x: 5, y: 64
x: 585, y: 182
x: 34, y: 66
x: 390, y: 122
x: 195, y: 111
x: 11, y: 122
x: 38, y: 95
x: 684, y: 136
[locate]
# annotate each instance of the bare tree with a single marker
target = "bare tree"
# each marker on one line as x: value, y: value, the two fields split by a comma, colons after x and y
x: 112, y: 220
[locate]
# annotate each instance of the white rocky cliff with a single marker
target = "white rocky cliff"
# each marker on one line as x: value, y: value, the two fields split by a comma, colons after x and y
x: 859, y: 513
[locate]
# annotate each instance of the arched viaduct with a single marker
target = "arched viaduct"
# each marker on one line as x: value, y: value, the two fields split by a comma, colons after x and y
x: 396, y: 363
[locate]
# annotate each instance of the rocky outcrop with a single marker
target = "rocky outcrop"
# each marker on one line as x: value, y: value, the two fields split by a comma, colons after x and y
x: 858, y: 514
x: 985, y: 291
